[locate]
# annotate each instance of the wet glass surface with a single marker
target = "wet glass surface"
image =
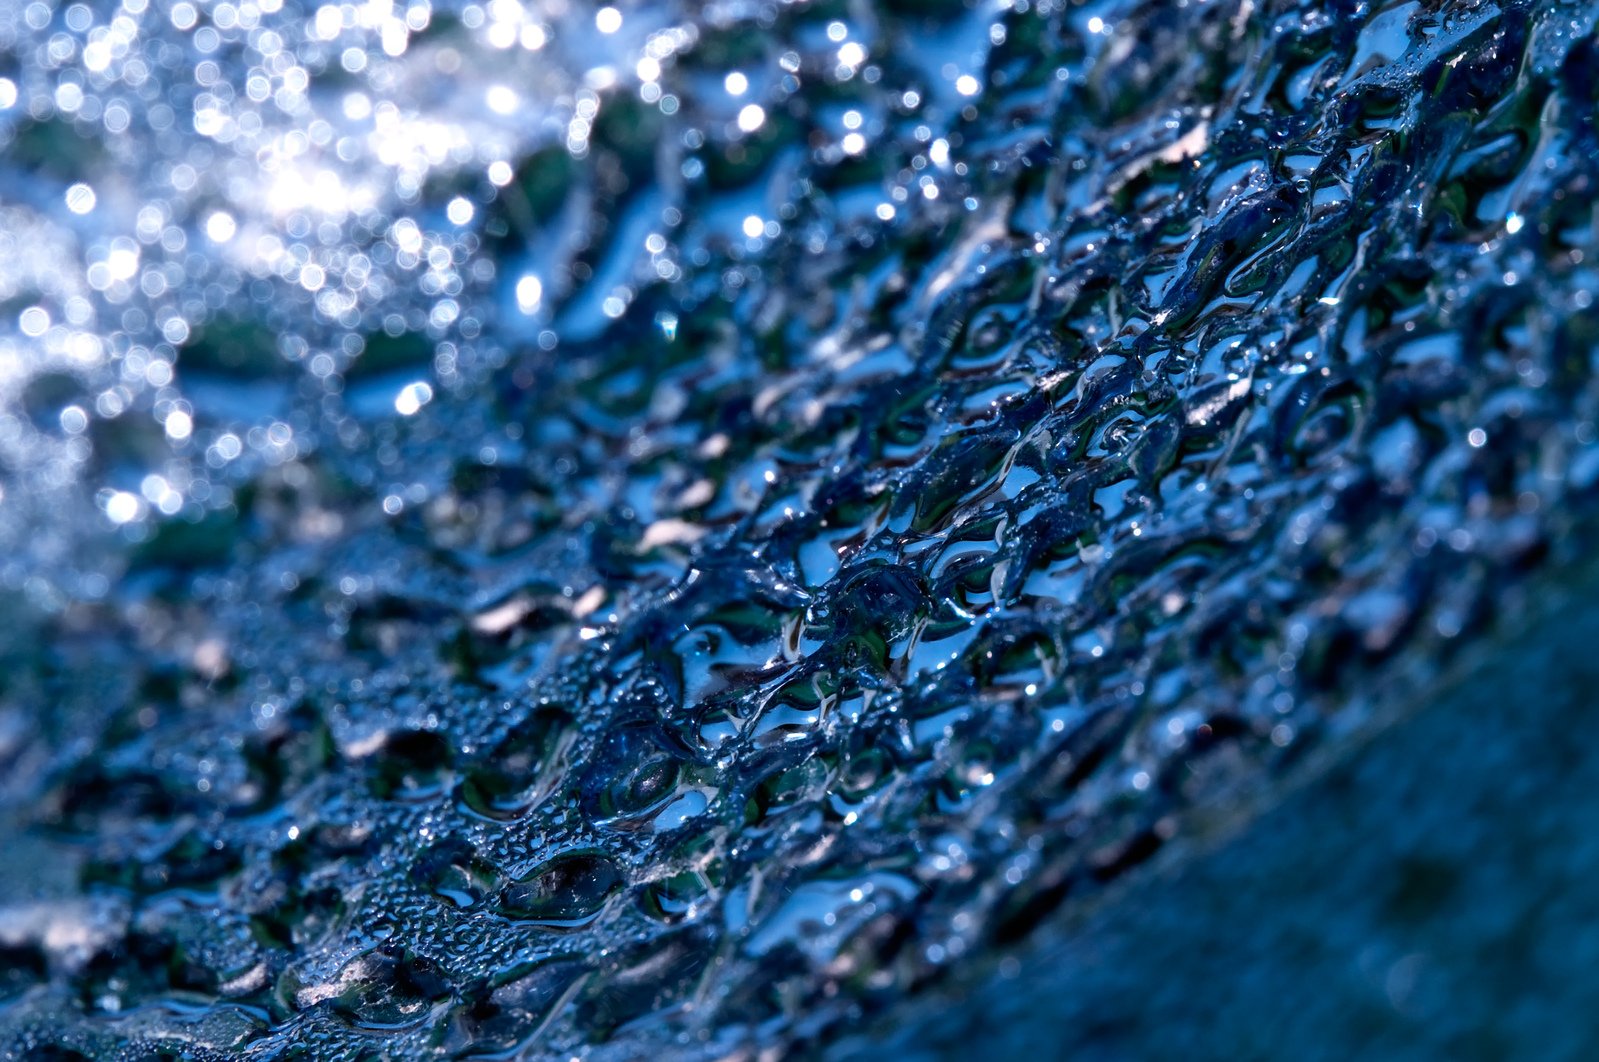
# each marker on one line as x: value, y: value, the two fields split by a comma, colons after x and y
x: 548, y: 529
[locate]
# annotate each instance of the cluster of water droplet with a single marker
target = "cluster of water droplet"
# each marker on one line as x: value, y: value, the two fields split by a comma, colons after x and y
x: 236, y: 229
x: 628, y: 526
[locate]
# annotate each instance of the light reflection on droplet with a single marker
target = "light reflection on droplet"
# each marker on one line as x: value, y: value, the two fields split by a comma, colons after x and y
x: 74, y: 420
x: 122, y: 507
x: 220, y: 227
x: 179, y: 425
x: 529, y: 293
x: 501, y: 100
x: 34, y: 321
x: 751, y: 117
x: 80, y: 199
x: 412, y: 397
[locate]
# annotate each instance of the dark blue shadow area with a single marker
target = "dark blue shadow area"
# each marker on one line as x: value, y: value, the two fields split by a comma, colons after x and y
x: 1424, y: 896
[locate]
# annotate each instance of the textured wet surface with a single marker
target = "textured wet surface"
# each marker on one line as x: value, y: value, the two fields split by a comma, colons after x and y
x: 551, y: 530
x: 1333, y: 927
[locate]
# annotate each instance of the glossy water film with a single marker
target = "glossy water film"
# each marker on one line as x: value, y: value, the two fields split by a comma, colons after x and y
x: 539, y: 529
